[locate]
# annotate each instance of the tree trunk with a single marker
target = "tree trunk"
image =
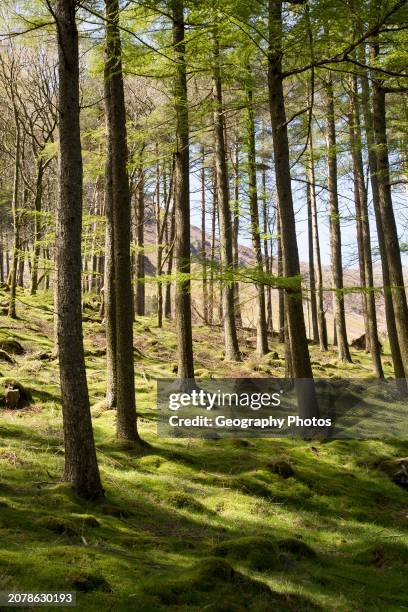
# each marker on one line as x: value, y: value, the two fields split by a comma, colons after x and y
x: 182, y: 200
x: 140, y: 298
x: 169, y: 255
x: 268, y: 260
x: 159, y: 245
x: 12, y: 279
x: 235, y: 243
x: 37, y: 226
x: 392, y: 246
x: 321, y: 317
x: 335, y: 232
x: 360, y: 195
x: 388, y: 302
x: 300, y: 358
x: 81, y: 467
x: 118, y: 216
x: 225, y: 222
x: 312, y: 277
x: 203, y: 239
x: 281, y: 293
x: 261, y: 326
x: 212, y: 251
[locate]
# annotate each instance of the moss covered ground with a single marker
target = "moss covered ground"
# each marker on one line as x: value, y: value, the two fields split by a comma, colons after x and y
x: 192, y: 524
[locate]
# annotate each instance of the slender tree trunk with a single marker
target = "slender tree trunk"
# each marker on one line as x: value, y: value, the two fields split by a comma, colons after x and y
x: 167, y: 295
x: 321, y: 317
x: 118, y: 208
x: 212, y: 251
x: 81, y: 467
x: 312, y: 278
x: 335, y: 232
x: 37, y: 225
x: 12, y: 279
x: 362, y: 212
x: 140, y: 296
x: 235, y: 243
x: 225, y: 221
x: 300, y: 358
x: 268, y: 267
x: 159, y: 245
x: 261, y: 326
x: 281, y: 293
x: 203, y: 239
x: 392, y: 246
x: 182, y: 200
x: 388, y: 302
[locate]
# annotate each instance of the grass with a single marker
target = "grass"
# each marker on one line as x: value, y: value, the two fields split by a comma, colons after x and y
x: 192, y: 524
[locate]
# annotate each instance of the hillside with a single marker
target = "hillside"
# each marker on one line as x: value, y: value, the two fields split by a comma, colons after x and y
x: 222, y: 525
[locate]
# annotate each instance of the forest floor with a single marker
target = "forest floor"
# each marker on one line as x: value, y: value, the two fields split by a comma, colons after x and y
x: 192, y: 524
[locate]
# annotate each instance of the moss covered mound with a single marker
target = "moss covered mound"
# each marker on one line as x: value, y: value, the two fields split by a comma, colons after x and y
x: 257, y: 552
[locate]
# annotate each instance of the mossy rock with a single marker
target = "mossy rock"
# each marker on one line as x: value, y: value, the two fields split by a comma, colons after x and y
x: 6, y: 357
x: 12, y: 347
x: 297, y: 548
x: 89, y: 582
x: 281, y: 467
x: 25, y: 394
x: 396, y: 470
x: 258, y: 553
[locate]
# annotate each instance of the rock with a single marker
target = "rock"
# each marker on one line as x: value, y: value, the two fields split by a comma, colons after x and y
x: 397, y: 470
x: 12, y: 397
x: 5, y: 357
x: 25, y: 396
x: 281, y: 467
x: 12, y: 347
x: 174, y: 368
x: 360, y: 343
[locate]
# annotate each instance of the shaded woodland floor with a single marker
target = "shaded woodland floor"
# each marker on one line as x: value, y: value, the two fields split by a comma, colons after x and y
x: 192, y: 525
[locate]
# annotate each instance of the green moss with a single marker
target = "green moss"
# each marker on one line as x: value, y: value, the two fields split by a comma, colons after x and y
x: 257, y: 552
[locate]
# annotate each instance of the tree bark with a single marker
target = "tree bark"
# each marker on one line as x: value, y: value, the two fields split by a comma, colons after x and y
x: 140, y: 298
x: 203, y: 239
x: 235, y: 242
x: 182, y: 200
x: 335, y: 232
x: 360, y: 194
x: 81, y: 467
x: 321, y: 317
x: 37, y: 225
x: 261, y: 325
x: 388, y: 302
x: 300, y: 358
x: 118, y: 209
x: 281, y: 293
x: 392, y: 246
x: 312, y: 277
x: 12, y: 278
x: 268, y: 259
x: 225, y: 222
